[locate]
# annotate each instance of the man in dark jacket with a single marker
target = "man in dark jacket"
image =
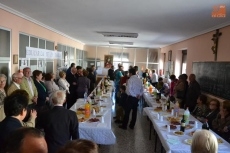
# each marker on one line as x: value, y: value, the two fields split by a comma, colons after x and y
x: 60, y: 125
x: 15, y: 110
x: 111, y: 73
x: 193, y: 93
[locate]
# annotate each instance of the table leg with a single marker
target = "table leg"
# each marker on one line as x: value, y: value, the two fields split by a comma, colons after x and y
x: 162, y: 148
x: 150, y: 130
x: 155, y: 148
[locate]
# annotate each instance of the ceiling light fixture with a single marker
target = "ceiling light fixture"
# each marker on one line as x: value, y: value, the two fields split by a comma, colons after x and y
x: 119, y: 34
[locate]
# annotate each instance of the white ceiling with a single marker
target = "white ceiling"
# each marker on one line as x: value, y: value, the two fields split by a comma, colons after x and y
x: 158, y: 22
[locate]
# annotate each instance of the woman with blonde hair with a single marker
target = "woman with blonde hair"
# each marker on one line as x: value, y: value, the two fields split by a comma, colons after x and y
x: 62, y: 82
x: 204, y: 141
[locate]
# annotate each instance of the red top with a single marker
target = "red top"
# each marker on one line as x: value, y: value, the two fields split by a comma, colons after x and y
x: 123, y: 80
x: 172, y: 85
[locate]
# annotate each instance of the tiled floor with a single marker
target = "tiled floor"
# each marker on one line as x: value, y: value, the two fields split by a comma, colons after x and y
x: 131, y: 141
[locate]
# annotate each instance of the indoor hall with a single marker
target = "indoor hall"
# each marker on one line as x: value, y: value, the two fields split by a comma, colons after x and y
x: 169, y: 37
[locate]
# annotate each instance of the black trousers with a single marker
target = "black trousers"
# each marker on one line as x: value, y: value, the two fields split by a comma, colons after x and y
x: 130, y: 104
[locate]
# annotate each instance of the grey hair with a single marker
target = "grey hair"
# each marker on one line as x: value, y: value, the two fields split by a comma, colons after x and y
x: 58, y: 97
x: 204, y: 141
x: 15, y: 75
x: 3, y: 76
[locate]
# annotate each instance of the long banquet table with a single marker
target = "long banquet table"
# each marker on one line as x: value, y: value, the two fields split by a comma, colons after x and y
x: 170, y: 142
x: 100, y: 133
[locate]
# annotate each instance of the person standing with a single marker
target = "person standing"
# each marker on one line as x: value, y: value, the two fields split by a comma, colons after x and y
x: 28, y: 85
x: 92, y: 77
x: 69, y: 69
x: 43, y: 96
x: 193, y: 93
x: 134, y: 91
x: 60, y: 125
x: 15, y: 110
x: 154, y: 78
x: 3, y: 79
x: 111, y: 72
x: 72, y: 80
x: 83, y: 84
x: 16, y: 81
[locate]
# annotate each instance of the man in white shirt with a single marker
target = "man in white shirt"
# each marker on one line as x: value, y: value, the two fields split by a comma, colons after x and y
x: 134, y: 90
x: 154, y: 78
x: 16, y: 81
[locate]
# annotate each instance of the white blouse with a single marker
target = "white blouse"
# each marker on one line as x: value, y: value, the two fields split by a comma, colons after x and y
x: 63, y: 84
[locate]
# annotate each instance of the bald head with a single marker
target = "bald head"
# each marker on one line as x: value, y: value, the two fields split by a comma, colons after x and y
x: 17, y: 77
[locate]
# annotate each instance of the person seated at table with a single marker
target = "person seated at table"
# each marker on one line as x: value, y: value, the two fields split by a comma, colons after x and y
x: 160, y: 83
x: 80, y: 146
x: 214, y: 108
x: 60, y: 125
x: 201, y: 108
x: 222, y: 120
x: 204, y: 141
x: 122, y: 100
x: 165, y: 90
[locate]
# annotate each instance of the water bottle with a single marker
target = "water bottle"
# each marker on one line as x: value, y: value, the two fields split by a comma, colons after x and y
x: 186, y: 115
x: 85, y: 96
x: 176, y: 109
x: 205, y: 125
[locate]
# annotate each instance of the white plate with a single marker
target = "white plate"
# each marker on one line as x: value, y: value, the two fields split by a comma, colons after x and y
x: 188, y: 141
x: 177, y: 134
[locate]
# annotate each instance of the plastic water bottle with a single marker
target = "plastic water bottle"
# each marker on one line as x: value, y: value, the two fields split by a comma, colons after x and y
x: 85, y: 97
x: 186, y: 115
x: 176, y: 109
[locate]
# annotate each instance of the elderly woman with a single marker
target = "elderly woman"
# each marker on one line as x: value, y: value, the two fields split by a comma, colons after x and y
x: 204, y: 141
x: 83, y: 84
x: 3, y: 79
x: 180, y: 90
x: 214, y: 108
x: 50, y: 84
x: 43, y: 96
x: 222, y: 120
x: 62, y: 82
x: 201, y: 108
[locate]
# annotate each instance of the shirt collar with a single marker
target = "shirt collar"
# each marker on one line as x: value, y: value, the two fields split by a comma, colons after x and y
x: 17, y: 85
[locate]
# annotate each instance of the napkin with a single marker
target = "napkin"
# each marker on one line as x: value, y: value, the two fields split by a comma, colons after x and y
x: 173, y: 140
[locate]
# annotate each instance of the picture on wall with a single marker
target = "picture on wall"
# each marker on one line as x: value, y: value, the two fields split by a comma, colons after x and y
x: 108, y: 61
x: 170, y: 55
x: 23, y: 62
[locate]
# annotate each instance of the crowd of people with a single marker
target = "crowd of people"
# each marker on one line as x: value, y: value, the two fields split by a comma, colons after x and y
x: 34, y: 101
x: 184, y: 90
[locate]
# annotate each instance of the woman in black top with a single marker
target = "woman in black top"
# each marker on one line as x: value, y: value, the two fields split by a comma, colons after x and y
x: 214, y: 106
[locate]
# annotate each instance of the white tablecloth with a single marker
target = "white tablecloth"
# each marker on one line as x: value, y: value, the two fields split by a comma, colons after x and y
x: 181, y: 146
x: 100, y: 133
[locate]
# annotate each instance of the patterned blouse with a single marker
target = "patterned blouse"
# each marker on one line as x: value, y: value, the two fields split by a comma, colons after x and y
x: 200, y: 111
x: 2, y: 97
